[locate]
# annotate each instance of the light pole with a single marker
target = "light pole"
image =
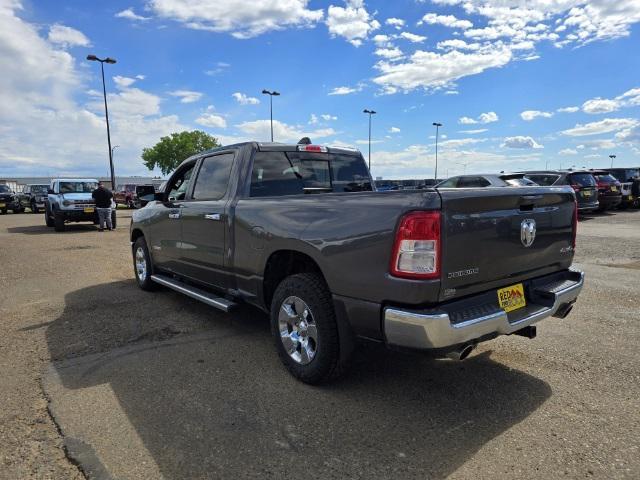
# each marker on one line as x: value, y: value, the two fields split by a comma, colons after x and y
x: 102, y: 61
x: 271, y: 95
x: 113, y: 187
x: 437, y: 125
x: 612, y: 157
x: 370, y: 112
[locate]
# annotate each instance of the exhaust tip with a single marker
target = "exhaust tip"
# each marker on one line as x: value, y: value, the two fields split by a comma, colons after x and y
x: 462, y: 352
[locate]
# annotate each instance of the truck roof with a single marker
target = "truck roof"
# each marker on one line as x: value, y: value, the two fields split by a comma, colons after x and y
x: 282, y: 147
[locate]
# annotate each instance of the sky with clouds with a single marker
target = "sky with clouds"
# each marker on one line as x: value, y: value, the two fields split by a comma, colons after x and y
x: 516, y: 83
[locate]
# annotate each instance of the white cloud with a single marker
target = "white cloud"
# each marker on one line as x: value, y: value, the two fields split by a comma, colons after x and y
x: 243, y: 99
x: 576, y: 21
x: 366, y: 142
x: 43, y: 114
x: 346, y: 90
x: 451, y: 92
x: 241, y: 19
x: 445, y: 20
x: 186, y: 96
x: 390, y: 53
x: 261, y: 130
x: 398, y: 23
x: 352, y: 22
x: 129, y: 14
x: 313, y: 119
x: 488, y: 117
x: 568, y: 109
x: 211, y: 120
x: 123, y: 82
x: 328, y: 117
x: 520, y: 141
x: 474, y: 131
x: 381, y: 40
x: 600, y: 105
x: 67, y: 37
x: 412, y: 37
x: 529, y: 115
x: 568, y: 151
x: 394, y: 130
x: 430, y: 70
x: 457, y: 44
x: 603, y: 126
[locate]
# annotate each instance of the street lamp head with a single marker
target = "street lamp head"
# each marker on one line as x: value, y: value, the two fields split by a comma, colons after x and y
x: 110, y: 60
x: 92, y: 58
x: 266, y: 92
x: 436, y: 124
x: 370, y: 112
x: 275, y: 93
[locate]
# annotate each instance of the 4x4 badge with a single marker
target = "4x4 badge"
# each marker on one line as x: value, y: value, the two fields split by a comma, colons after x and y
x: 528, y: 232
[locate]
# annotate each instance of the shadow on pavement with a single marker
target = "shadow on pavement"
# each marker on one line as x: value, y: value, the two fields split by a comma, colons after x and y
x: 207, y: 396
x: 44, y: 230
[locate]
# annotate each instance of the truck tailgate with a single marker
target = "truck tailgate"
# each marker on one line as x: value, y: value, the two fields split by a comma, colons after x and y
x: 483, y: 243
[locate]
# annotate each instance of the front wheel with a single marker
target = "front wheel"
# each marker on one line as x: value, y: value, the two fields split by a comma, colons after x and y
x: 142, y: 265
x: 58, y: 221
x: 304, y: 327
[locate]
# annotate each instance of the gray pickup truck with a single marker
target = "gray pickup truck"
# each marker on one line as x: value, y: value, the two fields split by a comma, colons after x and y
x: 300, y: 232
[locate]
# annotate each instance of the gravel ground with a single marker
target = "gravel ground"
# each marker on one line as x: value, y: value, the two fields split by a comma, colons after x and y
x: 562, y: 405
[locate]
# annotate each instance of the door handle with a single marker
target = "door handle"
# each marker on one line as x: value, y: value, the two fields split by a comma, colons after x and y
x: 212, y: 216
x: 174, y: 216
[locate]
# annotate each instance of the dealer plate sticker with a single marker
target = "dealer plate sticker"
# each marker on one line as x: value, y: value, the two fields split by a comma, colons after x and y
x: 88, y: 210
x: 511, y: 298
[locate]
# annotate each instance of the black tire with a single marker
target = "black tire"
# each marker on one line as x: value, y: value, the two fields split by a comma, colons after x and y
x: 4, y: 211
x: 325, y: 364
x: 113, y: 218
x: 34, y: 208
x: 143, y: 281
x: 47, y: 217
x: 58, y: 221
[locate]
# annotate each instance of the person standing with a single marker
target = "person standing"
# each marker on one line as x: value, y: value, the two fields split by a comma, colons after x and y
x: 103, y: 198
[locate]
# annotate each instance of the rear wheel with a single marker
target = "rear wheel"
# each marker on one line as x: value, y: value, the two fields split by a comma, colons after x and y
x: 304, y: 327
x: 142, y: 265
x: 58, y: 221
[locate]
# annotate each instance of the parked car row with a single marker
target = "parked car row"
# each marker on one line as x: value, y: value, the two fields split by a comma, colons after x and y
x: 34, y: 197
x: 596, y: 190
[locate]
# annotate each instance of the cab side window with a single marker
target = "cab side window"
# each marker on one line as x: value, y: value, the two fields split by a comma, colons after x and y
x: 273, y: 175
x: 213, y: 177
x: 473, y: 182
x: 180, y: 184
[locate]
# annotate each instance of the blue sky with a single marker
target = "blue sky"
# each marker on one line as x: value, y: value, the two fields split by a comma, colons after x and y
x: 517, y: 84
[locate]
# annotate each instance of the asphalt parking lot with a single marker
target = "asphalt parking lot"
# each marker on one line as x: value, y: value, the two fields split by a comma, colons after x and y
x: 102, y: 380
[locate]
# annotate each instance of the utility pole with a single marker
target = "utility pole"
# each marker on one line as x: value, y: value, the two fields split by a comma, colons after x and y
x: 437, y: 125
x: 271, y: 95
x: 370, y: 112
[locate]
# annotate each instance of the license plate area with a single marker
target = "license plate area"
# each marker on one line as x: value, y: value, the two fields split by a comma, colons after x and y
x: 88, y: 210
x: 2, y: 205
x: 586, y: 193
x: 511, y: 298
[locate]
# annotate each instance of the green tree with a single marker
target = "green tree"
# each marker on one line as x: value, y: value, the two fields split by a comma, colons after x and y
x: 170, y: 151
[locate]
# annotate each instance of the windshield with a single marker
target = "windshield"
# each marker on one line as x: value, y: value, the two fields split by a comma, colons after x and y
x: 582, y: 179
x: 39, y: 188
x: 606, y: 178
x: 4, y: 189
x: 77, y: 187
x: 625, y: 174
x: 519, y: 182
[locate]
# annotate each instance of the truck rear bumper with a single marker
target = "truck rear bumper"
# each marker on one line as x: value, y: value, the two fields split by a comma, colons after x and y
x: 472, y: 319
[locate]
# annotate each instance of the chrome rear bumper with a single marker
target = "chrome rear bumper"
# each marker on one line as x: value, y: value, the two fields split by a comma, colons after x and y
x: 434, y: 329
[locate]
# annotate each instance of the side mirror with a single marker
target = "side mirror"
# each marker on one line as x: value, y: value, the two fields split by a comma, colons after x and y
x: 158, y: 196
x: 49, y: 191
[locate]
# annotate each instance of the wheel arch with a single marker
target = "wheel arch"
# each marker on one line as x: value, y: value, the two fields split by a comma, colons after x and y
x: 282, y: 264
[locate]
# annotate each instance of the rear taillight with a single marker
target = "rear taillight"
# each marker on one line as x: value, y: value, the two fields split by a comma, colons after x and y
x: 416, y: 251
x: 603, y: 186
x: 575, y: 224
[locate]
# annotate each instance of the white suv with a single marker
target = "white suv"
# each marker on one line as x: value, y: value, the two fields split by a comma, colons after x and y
x: 70, y: 200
